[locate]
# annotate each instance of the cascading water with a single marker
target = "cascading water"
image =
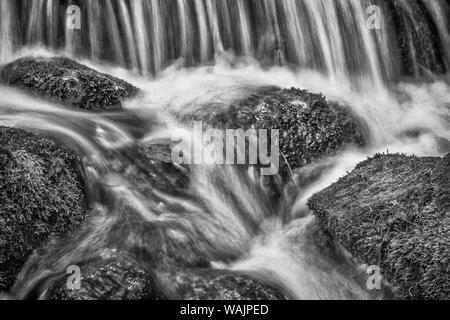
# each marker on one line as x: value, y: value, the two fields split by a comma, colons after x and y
x: 330, y: 36
x: 231, y: 48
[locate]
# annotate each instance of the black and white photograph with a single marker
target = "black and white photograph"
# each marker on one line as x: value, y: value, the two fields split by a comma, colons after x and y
x: 224, y: 155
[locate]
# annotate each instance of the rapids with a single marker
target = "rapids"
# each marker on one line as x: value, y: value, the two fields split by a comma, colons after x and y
x: 195, y: 53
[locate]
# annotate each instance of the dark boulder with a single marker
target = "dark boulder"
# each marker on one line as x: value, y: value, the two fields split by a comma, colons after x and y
x: 129, y: 258
x: 206, y: 284
x: 124, y: 279
x: 311, y: 127
x: 41, y: 192
x: 114, y: 279
x: 393, y: 211
x: 65, y: 81
x: 154, y: 162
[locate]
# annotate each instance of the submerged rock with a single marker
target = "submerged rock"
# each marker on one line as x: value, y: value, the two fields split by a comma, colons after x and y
x: 41, y: 192
x: 393, y: 211
x: 127, y: 257
x: 123, y: 279
x: 154, y: 162
x: 205, y: 284
x: 117, y: 279
x: 68, y: 82
x: 152, y: 260
x: 310, y: 127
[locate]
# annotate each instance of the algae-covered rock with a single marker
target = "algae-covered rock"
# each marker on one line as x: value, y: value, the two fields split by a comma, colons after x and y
x: 393, y: 211
x: 310, y: 127
x: 41, y: 192
x: 68, y: 82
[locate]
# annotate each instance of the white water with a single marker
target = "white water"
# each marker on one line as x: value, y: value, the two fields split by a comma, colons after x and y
x: 215, y: 53
x: 283, y: 254
x: 327, y: 36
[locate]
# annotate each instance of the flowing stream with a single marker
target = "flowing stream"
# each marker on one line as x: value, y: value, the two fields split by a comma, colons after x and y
x: 185, y: 54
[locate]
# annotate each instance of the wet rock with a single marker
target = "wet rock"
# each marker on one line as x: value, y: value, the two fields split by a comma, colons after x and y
x: 205, y: 284
x: 118, y: 279
x: 149, y: 168
x: 393, y: 211
x: 156, y: 162
x: 148, y: 264
x: 311, y: 127
x: 65, y: 81
x: 41, y: 192
x: 124, y: 279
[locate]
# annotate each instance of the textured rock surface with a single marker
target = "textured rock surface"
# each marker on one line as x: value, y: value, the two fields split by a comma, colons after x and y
x: 310, y: 126
x: 130, y: 258
x: 41, y: 192
x: 65, y: 81
x: 125, y: 279
x: 394, y: 211
x: 219, y: 285
x: 118, y: 279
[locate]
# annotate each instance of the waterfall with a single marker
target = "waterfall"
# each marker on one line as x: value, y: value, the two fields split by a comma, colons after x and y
x: 186, y: 55
x: 6, y: 29
x: 330, y: 36
x: 442, y: 22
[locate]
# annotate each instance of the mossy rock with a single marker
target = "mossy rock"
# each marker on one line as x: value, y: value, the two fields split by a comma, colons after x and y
x: 65, y: 81
x: 41, y: 192
x: 393, y: 211
x: 118, y: 278
x: 311, y: 128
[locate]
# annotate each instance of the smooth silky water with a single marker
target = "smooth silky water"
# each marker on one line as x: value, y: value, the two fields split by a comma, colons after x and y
x: 220, y: 55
